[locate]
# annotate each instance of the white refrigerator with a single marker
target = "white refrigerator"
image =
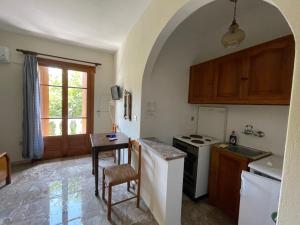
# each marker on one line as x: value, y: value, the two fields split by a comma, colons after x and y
x: 259, y: 199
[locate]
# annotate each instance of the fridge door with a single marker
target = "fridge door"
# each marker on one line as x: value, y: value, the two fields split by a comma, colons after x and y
x: 259, y: 199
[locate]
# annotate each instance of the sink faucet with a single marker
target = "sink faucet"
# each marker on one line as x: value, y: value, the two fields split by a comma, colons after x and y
x: 249, y: 130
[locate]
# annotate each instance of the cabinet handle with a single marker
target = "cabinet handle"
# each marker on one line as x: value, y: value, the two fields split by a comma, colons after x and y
x: 244, y: 78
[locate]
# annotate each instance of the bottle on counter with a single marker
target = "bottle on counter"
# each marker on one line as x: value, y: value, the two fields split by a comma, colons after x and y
x: 233, y: 138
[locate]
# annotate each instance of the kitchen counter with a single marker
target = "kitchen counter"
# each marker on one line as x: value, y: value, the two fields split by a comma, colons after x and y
x: 243, y: 151
x: 164, y: 151
x: 162, y: 180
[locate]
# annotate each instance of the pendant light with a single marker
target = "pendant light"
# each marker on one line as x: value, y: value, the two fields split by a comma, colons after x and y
x: 234, y: 36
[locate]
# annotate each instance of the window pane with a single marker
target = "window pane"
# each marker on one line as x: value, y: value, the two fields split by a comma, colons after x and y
x: 50, y: 76
x: 77, y: 102
x: 77, y: 79
x: 76, y: 126
x: 55, y: 102
x: 51, y: 102
x: 52, y: 127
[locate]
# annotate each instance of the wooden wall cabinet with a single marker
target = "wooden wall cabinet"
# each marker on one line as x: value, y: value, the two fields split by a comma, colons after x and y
x: 269, y: 72
x: 258, y: 75
x: 225, y: 180
x: 228, y: 73
x: 201, y: 87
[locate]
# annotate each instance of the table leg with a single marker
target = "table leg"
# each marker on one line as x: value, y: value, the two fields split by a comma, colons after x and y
x: 119, y: 156
x: 96, y: 171
x: 93, y: 162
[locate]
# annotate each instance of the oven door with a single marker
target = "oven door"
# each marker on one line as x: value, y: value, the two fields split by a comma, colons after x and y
x: 190, y: 167
x: 190, y: 174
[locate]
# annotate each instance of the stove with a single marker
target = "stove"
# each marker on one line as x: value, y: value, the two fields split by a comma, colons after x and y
x: 196, y: 136
x: 197, y: 140
x: 196, y: 164
x: 185, y: 137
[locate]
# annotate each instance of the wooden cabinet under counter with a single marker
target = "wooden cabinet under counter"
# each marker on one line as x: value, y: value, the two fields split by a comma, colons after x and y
x: 258, y: 75
x: 225, y: 180
x: 226, y: 166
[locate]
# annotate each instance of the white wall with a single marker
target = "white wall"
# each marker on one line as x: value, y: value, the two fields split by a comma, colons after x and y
x: 11, y: 85
x: 147, y: 38
x: 165, y: 111
x: 272, y: 120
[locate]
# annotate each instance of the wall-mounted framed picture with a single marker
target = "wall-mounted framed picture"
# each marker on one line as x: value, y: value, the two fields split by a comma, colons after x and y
x: 127, y: 105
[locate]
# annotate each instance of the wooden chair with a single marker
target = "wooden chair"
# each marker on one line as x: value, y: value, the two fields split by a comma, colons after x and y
x: 5, y: 173
x: 112, y: 153
x: 119, y: 174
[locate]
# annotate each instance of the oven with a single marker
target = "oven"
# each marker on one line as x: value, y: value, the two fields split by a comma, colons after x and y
x: 190, y: 166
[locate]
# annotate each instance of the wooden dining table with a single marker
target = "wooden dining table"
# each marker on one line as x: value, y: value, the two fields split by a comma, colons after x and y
x: 101, y: 143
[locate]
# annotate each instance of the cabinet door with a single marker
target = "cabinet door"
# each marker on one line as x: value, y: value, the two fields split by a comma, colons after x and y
x: 229, y: 172
x: 270, y: 72
x: 201, y: 83
x: 213, y: 176
x: 228, y: 75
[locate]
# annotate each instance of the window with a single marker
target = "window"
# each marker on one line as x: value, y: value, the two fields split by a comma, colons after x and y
x: 66, y: 92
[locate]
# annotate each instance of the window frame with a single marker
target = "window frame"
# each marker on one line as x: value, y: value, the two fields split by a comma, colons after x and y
x: 65, y: 66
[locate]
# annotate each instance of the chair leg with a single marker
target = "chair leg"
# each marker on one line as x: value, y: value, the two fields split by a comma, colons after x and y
x: 115, y: 157
x: 128, y: 186
x: 138, y: 193
x: 8, y: 180
x: 109, y: 203
x: 103, y: 185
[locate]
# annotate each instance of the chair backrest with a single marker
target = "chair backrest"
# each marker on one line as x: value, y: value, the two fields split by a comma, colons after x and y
x: 135, y: 147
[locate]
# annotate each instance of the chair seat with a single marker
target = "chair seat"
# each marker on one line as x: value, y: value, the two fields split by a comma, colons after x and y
x: 119, y: 174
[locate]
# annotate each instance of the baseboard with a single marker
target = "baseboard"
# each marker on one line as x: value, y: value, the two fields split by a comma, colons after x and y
x: 21, y: 162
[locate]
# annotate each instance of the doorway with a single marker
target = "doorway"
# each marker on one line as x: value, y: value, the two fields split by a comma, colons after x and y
x: 67, y: 96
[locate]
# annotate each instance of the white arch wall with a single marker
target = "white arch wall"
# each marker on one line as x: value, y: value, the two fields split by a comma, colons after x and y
x: 165, y: 111
x: 131, y: 63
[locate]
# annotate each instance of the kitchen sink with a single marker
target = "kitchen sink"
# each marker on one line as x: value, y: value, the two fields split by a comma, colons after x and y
x: 248, y: 152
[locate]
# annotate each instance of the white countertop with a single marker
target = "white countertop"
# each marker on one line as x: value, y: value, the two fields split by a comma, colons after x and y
x: 271, y: 166
x: 165, y: 151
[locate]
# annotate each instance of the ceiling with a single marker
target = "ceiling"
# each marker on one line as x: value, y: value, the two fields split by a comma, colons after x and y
x: 198, y: 38
x: 101, y: 24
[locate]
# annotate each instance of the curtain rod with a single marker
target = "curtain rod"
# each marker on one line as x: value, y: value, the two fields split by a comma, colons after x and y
x: 54, y: 56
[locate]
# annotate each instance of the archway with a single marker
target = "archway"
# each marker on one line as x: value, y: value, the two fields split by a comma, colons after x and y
x: 180, y: 16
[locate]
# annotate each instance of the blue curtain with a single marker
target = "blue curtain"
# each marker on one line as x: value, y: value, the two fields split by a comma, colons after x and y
x: 33, y: 144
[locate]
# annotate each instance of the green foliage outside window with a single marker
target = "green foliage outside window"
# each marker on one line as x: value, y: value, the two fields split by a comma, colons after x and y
x: 74, y: 95
x: 73, y: 127
x: 52, y: 128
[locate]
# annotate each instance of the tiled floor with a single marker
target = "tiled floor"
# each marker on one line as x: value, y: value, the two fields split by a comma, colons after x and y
x: 62, y: 192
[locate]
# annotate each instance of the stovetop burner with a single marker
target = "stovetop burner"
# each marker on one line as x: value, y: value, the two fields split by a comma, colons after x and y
x: 197, y: 141
x: 185, y: 137
x: 196, y: 136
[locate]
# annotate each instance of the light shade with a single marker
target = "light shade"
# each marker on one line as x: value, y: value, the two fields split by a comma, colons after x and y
x: 234, y: 36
